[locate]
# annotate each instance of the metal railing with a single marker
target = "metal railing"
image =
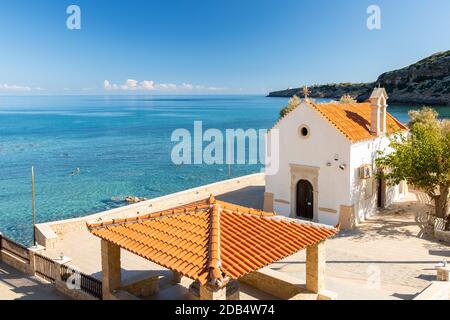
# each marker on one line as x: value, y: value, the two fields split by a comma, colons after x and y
x: 45, y: 267
x: 48, y: 269
x: 14, y: 248
x: 88, y: 284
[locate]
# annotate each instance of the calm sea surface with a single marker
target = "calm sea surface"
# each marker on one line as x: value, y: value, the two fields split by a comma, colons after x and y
x: 121, y: 145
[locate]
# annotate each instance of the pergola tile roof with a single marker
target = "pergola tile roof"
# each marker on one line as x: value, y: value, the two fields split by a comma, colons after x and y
x: 211, y: 241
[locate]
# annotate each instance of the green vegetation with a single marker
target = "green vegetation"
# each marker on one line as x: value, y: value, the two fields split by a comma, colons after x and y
x: 292, y: 104
x: 433, y: 58
x: 423, y: 159
x: 346, y: 98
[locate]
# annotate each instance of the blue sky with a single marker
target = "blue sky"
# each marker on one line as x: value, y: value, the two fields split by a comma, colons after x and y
x: 210, y: 46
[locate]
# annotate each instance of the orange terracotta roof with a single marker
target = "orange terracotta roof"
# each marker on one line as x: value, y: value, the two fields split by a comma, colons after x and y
x: 212, y: 241
x: 353, y: 119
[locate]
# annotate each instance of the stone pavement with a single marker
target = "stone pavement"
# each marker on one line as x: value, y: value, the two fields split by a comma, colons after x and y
x: 390, y: 256
x: 15, y: 285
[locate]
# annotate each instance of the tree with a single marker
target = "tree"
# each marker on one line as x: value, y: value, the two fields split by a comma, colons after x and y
x: 422, y: 158
x: 346, y: 98
x: 292, y: 104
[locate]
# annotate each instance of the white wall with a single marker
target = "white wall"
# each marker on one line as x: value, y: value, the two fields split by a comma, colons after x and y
x: 319, y: 148
x: 365, y: 153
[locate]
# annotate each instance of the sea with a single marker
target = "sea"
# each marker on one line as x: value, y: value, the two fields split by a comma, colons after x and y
x: 90, y: 152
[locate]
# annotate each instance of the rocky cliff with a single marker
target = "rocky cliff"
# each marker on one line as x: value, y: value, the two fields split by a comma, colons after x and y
x: 425, y: 82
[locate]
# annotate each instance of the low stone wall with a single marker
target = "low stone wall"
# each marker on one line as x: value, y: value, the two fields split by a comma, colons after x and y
x: 48, y: 234
x: 15, y: 262
x: 28, y: 267
x: 144, y: 288
x: 283, y: 286
x: 278, y: 284
x: 75, y: 294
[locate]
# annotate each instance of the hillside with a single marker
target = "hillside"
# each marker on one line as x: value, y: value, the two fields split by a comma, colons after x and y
x: 425, y: 82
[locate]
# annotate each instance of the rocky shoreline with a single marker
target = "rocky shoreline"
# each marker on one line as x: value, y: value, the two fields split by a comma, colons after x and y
x: 426, y: 82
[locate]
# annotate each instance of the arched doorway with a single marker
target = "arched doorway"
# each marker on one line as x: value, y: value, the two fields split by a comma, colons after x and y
x: 305, y: 200
x: 381, y: 191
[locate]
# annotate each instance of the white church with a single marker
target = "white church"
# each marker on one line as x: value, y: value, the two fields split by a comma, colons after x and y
x: 327, y: 170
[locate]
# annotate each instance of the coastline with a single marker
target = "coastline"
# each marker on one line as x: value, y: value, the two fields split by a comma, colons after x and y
x: 411, y: 104
x: 425, y: 82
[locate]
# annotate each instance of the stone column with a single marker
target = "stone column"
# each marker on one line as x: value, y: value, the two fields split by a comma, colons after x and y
x: 232, y: 290
x: 60, y: 284
x: 31, y: 252
x: 315, y: 267
x: 58, y: 263
x: 111, y: 276
x: 442, y: 273
x: 347, y: 220
x: 268, y: 202
x: 209, y: 293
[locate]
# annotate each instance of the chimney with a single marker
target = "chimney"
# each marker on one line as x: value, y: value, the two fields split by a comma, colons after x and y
x: 378, y: 105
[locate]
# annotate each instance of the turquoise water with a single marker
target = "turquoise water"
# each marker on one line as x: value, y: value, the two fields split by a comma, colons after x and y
x: 121, y: 145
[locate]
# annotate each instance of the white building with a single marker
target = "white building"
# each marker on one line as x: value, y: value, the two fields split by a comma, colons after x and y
x: 327, y: 161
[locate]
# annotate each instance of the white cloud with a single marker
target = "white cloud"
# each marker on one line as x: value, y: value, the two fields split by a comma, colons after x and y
x: 130, y: 84
x: 106, y: 85
x: 150, y: 85
x: 13, y: 87
x: 215, y: 88
x: 187, y: 86
x: 167, y: 86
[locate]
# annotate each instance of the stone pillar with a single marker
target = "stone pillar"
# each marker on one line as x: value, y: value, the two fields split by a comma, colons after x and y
x: 176, y: 277
x: 111, y: 276
x: 208, y: 293
x: 442, y: 273
x: 232, y: 290
x: 58, y: 263
x: 315, y: 267
x: 347, y: 219
x: 31, y: 252
x: 268, y: 202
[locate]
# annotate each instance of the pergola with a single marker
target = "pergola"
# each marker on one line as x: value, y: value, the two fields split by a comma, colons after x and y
x: 212, y: 242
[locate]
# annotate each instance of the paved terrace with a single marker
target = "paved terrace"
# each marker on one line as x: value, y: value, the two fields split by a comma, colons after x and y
x: 15, y: 285
x: 391, y: 247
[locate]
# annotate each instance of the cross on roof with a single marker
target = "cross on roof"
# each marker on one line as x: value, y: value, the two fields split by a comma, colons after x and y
x: 306, y: 92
